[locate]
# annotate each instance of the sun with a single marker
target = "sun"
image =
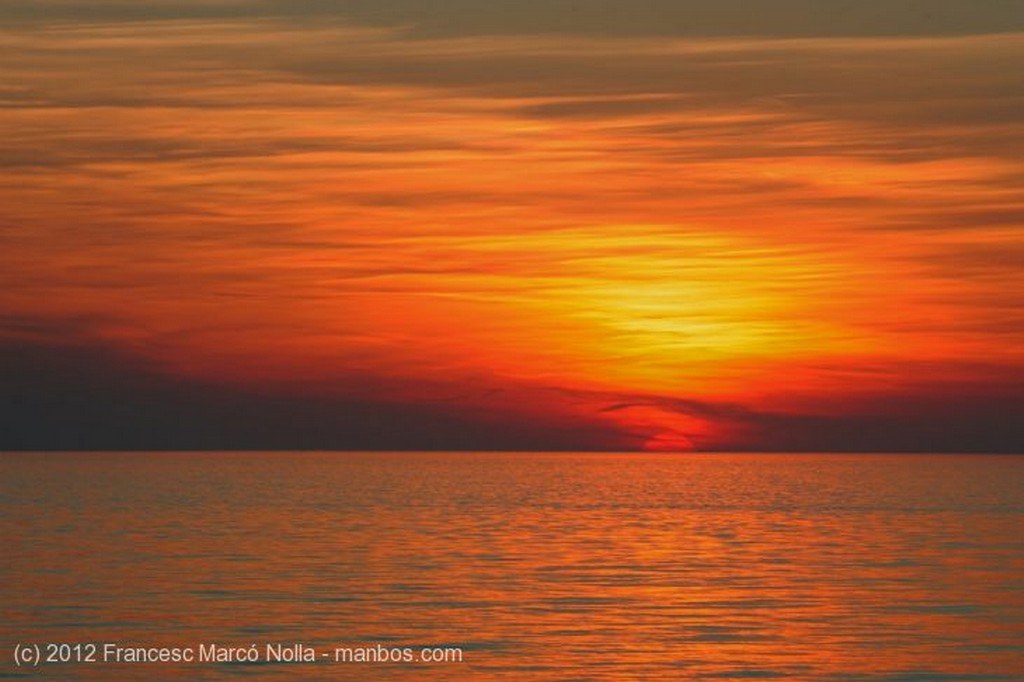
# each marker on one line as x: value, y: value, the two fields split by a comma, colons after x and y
x: 669, y: 441
x: 663, y: 429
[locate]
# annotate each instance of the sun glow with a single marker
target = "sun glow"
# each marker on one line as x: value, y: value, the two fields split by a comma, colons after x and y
x: 428, y: 220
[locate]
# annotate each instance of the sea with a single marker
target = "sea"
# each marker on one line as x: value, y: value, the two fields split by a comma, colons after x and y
x: 515, y: 566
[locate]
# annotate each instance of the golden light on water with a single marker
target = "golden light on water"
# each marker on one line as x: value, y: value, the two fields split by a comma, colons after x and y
x: 386, y: 322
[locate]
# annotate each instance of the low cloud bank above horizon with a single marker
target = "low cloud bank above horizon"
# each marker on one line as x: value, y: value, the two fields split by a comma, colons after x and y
x: 87, y: 398
x: 559, y: 225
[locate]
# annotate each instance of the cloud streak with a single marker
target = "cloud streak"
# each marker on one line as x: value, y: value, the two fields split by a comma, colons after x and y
x: 789, y: 215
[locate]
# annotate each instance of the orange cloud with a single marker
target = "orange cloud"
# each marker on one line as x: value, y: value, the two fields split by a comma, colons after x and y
x: 794, y: 226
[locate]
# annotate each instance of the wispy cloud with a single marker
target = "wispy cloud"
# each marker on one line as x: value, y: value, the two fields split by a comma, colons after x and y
x: 313, y: 193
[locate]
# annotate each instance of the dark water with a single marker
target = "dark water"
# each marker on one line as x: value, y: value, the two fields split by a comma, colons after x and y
x: 541, y: 566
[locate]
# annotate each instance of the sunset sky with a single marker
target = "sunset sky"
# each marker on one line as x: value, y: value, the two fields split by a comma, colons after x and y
x: 512, y: 224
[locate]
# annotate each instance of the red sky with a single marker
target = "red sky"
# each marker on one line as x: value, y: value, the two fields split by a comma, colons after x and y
x: 530, y: 225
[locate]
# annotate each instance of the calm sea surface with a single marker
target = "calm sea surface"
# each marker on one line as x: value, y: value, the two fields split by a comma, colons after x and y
x: 536, y: 566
